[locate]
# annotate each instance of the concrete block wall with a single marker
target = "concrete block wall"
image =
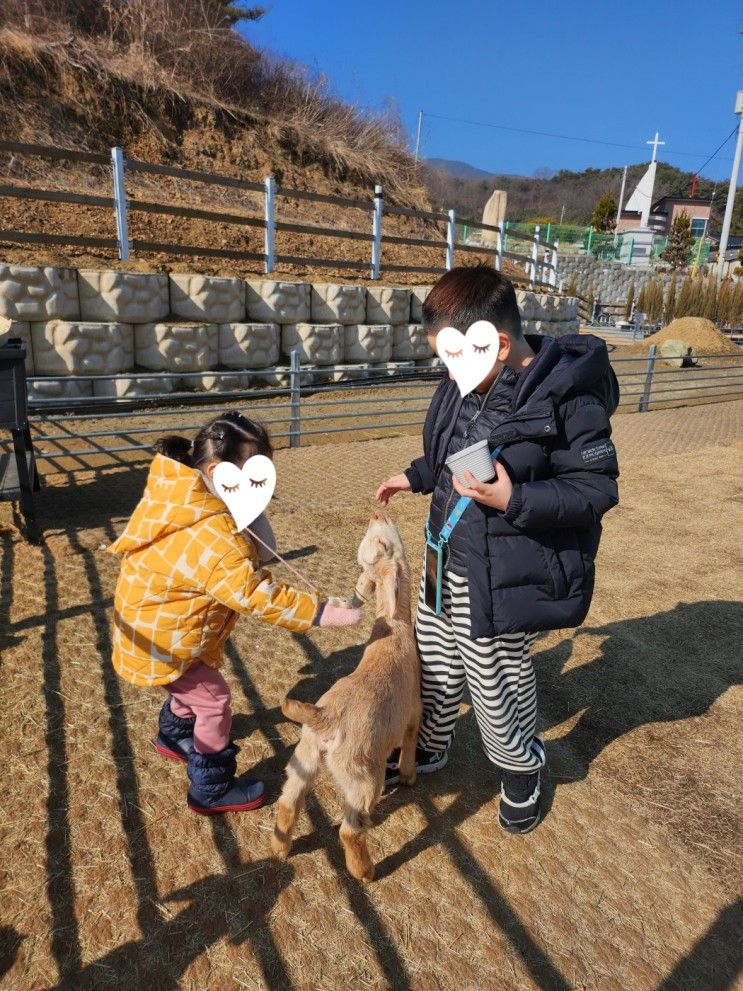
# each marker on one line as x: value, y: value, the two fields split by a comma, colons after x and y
x: 91, y: 322
x: 609, y: 280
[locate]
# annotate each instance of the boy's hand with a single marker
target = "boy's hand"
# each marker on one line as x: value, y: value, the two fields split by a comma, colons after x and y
x: 495, y: 494
x: 398, y: 483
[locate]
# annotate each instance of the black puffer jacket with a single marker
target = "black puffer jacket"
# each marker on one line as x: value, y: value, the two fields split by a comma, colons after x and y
x: 531, y: 567
x: 477, y: 418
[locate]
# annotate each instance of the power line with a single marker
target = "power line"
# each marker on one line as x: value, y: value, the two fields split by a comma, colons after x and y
x: 714, y: 153
x: 562, y: 137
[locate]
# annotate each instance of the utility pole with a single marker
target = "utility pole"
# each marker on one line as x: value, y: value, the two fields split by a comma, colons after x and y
x: 621, y: 200
x: 731, y: 188
x: 418, y: 136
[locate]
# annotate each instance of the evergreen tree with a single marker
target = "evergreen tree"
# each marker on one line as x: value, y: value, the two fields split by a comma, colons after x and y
x: 680, y: 242
x: 605, y: 213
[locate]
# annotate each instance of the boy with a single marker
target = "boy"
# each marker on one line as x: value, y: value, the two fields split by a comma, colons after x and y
x: 521, y: 559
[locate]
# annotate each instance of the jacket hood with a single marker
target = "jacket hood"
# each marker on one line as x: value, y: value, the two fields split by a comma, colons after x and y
x: 175, y: 498
x: 577, y: 362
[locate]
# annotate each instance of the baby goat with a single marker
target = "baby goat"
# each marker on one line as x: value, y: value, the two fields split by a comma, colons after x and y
x: 358, y: 722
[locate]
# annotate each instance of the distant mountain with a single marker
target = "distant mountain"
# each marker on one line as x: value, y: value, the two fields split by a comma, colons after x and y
x: 460, y: 170
x: 570, y: 195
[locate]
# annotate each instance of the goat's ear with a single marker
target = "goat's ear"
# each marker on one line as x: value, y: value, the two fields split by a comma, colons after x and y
x: 390, y: 587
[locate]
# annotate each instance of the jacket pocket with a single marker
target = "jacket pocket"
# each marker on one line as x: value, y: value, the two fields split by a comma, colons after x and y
x: 566, y: 562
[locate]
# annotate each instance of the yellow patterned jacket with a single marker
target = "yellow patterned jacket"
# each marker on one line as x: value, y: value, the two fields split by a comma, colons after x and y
x: 185, y: 575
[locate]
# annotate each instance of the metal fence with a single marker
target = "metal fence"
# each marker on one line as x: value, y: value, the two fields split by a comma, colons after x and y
x: 387, y: 401
x: 587, y: 240
x: 539, y: 258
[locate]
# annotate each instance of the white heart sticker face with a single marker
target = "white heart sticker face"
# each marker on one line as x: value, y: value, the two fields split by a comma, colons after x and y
x: 471, y: 356
x: 246, y: 492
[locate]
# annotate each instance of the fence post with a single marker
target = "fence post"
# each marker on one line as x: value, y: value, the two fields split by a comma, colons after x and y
x: 270, y: 230
x: 534, y: 258
x: 295, y: 385
x: 122, y: 226
x: 645, y: 398
x: 376, y: 259
x: 553, y: 269
x: 499, y: 248
x: 590, y: 240
x: 630, y: 251
x: 451, y: 236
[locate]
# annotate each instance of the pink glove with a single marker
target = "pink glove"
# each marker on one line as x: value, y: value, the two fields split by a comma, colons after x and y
x: 338, y: 616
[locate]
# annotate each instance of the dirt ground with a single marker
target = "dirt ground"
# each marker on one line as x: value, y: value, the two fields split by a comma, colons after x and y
x: 631, y: 882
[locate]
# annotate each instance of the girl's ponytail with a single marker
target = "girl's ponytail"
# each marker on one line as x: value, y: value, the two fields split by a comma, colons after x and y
x: 175, y: 447
x: 230, y: 437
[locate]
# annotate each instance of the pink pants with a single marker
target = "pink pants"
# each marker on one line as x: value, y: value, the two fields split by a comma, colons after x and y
x: 203, y: 692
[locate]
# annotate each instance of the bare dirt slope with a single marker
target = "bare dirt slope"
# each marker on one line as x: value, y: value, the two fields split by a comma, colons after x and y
x: 630, y: 882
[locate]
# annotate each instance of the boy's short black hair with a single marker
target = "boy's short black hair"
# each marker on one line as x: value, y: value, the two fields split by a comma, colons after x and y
x: 467, y: 294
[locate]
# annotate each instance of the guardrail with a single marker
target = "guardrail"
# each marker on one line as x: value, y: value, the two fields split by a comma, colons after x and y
x: 389, y: 399
x: 539, y: 260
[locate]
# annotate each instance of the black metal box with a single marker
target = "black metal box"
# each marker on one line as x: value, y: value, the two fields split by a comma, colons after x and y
x: 13, y: 393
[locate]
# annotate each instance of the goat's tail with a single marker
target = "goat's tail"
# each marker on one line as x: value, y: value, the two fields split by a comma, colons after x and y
x: 304, y: 712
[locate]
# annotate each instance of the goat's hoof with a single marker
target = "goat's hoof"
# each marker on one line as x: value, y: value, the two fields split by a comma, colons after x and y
x: 280, y: 848
x: 408, y: 779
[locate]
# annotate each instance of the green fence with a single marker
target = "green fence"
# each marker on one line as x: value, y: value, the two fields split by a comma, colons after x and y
x: 579, y: 239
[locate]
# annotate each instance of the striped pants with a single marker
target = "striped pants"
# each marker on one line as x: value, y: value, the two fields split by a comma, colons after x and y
x: 498, y: 672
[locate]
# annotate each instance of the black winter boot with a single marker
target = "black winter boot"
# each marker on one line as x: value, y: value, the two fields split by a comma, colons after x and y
x: 175, y: 738
x: 214, y: 787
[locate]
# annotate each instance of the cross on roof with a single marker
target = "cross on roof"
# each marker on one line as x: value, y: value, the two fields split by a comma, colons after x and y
x: 655, y: 144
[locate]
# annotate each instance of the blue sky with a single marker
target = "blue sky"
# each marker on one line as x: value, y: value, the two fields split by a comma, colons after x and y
x: 610, y: 72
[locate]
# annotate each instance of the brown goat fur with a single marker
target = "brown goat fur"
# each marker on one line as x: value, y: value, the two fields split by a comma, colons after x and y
x: 358, y: 722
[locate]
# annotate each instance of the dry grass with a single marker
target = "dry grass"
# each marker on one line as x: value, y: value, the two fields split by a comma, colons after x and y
x: 163, y: 60
x: 630, y: 882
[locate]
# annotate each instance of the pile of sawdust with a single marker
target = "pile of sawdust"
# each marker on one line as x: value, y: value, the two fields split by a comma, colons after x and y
x: 699, y: 333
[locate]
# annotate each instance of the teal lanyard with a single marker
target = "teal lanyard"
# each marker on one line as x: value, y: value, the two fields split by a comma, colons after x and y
x: 455, y: 516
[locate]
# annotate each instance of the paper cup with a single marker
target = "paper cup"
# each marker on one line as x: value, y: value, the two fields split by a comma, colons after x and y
x: 475, y: 459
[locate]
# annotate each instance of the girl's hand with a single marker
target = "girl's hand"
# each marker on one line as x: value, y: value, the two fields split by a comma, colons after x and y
x: 333, y: 615
x: 495, y: 494
x: 398, y: 483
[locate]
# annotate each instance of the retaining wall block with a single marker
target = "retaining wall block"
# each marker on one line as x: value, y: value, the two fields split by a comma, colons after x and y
x: 387, y: 305
x: 63, y: 347
x: 319, y: 344
x: 278, y: 302
x: 528, y: 304
x: 249, y: 345
x: 206, y: 297
x: 218, y: 382
x: 38, y: 293
x: 176, y: 347
x: 58, y: 389
x: 338, y: 304
x: 409, y: 341
x: 18, y: 328
x: 130, y: 297
x: 135, y: 386
x: 369, y: 342
x: 418, y: 296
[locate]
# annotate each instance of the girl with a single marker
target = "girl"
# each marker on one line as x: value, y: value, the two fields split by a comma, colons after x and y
x: 186, y: 573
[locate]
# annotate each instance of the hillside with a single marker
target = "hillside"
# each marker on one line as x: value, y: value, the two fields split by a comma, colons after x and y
x: 578, y: 192
x: 173, y: 82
